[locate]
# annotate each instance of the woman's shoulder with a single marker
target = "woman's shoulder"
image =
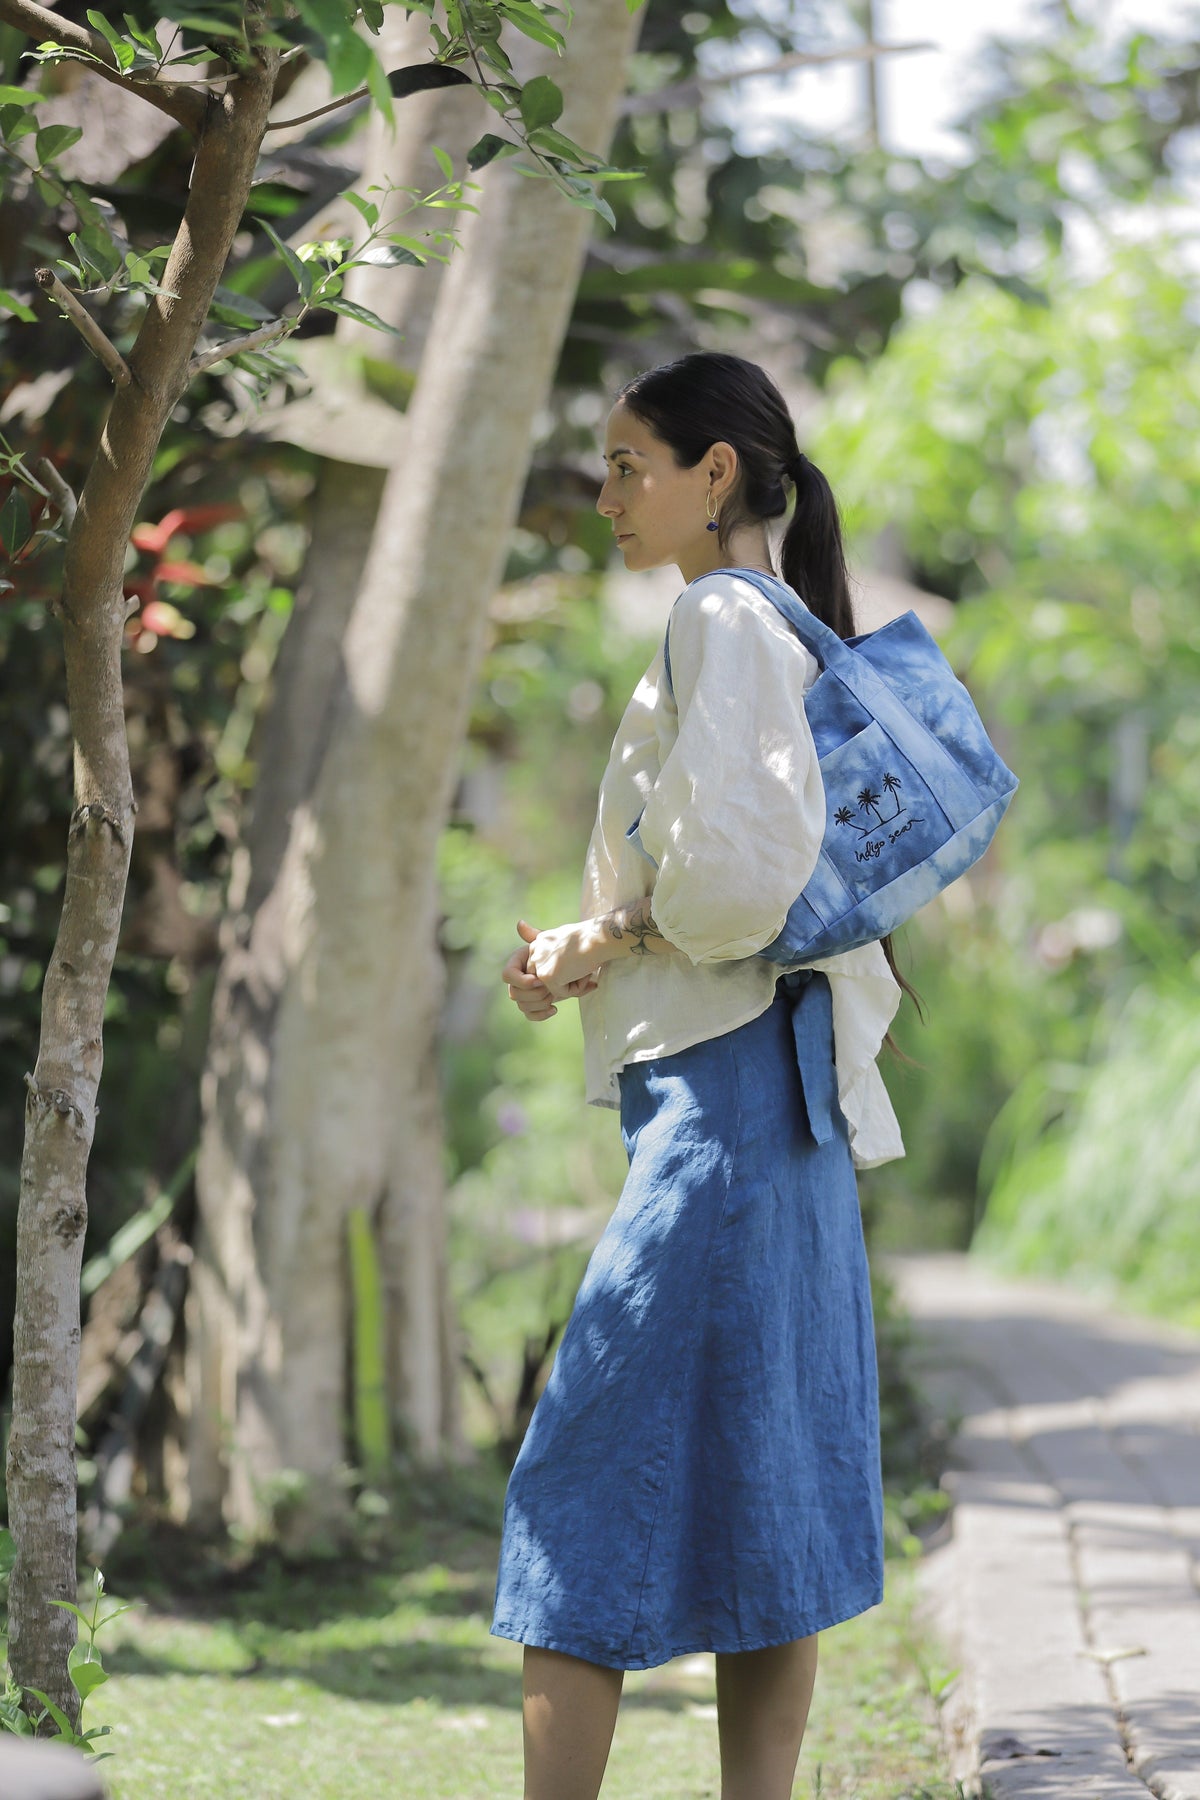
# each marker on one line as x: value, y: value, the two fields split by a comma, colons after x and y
x: 725, y: 606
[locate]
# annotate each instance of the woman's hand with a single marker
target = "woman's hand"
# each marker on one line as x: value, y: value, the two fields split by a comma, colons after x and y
x: 535, y: 996
x: 566, y: 954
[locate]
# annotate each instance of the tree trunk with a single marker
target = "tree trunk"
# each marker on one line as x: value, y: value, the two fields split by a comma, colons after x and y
x: 336, y: 1105
x: 61, y: 1104
x: 235, y: 1167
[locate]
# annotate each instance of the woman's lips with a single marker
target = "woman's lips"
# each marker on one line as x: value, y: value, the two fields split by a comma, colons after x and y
x: 623, y: 537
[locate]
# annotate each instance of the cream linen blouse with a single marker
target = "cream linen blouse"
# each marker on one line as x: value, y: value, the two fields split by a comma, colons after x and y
x: 712, y: 803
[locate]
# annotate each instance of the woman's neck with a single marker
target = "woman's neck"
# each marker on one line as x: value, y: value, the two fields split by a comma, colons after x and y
x: 747, y: 549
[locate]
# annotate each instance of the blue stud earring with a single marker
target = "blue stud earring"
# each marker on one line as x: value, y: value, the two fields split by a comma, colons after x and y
x: 712, y: 517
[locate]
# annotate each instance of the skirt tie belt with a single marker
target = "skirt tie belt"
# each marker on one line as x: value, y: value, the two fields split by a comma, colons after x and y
x: 811, y: 1003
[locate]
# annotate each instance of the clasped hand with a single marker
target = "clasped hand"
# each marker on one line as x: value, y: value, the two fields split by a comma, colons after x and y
x: 550, y: 966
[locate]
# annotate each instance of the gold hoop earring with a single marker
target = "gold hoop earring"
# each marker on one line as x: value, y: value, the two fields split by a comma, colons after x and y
x: 712, y: 513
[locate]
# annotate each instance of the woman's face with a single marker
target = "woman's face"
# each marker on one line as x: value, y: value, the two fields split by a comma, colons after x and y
x: 658, y: 510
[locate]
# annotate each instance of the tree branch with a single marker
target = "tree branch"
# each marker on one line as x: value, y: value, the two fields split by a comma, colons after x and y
x: 417, y: 78
x: 185, y: 105
x: 685, y: 93
x: 330, y: 106
x: 60, y: 492
x: 253, y: 340
x: 86, y: 326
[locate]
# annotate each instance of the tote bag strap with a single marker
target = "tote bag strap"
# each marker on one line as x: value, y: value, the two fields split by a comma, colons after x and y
x: 957, y: 794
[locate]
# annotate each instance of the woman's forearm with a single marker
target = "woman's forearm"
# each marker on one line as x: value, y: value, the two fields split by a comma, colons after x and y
x: 630, y: 930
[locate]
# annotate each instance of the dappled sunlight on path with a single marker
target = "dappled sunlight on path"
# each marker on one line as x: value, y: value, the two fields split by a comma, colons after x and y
x: 1071, y: 1580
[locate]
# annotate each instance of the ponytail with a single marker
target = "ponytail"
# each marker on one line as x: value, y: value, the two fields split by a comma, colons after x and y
x: 812, y: 557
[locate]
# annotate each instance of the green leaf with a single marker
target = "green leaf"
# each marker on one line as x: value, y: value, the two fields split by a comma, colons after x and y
x: 9, y: 303
x: 363, y: 314
x: 123, y: 51
x: 15, y: 522
x: 541, y: 102
x: 145, y: 38
x: 419, y: 250
x: 65, y: 1728
x: 8, y: 1550
x: 19, y: 96
x: 69, y: 1606
x: 444, y: 163
x: 304, y: 274
x: 534, y: 26
x: 487, y: 149
x: 614, y: 174
x: 271, y: 199
x: 95, y: 246
x: 366, y: 209
x: 347, y: 57
x: 236, y: 309
x: 386, y: 256
x: 372, y: 15
x: 16, y: 122
x: 546, y: 138
x: 598, y: 204
x: 85, y: 1669
x: 496, y: 56
x: 380, y: 90
x: 633, y: 6
x: 579, y: 192
x: 12, y: 1717
x: 116, y: 1613
x: 52, y: 140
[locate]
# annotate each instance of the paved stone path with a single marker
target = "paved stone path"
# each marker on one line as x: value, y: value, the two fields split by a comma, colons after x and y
x: 1070, y: 1578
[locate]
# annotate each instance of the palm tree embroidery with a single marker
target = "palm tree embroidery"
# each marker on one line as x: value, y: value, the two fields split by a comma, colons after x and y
x: 869, y: 801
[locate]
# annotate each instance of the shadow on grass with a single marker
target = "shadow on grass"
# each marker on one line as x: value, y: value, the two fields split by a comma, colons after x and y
x: 438, y: 1551
x: 451, y: 1676
x: 391, y: 1675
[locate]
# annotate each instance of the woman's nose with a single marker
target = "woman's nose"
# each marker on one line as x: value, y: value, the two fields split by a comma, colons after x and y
x: 604, y: 505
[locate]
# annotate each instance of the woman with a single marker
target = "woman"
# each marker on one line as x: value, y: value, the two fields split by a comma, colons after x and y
x: 702, y: 1470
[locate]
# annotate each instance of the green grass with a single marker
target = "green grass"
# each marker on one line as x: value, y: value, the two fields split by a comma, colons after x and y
x: 376, y: 1677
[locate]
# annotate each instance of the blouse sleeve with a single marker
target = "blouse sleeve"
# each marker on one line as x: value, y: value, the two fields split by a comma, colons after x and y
x: 735, y: 819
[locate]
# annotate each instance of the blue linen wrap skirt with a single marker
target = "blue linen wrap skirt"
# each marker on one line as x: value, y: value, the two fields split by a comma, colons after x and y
x: 702, y: 1469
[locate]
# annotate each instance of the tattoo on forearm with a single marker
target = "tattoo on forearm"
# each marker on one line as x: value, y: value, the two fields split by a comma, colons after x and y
x: 638, y: 927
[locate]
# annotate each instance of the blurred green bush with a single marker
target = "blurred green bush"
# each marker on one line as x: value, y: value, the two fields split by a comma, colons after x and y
x: 1094, y: 1173
x: 1041, y: 461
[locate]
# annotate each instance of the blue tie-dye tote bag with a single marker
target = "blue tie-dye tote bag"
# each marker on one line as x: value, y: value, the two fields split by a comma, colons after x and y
x: 914, y: 790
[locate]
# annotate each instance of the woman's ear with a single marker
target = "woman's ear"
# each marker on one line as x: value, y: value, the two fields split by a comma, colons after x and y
x: 723, y: 464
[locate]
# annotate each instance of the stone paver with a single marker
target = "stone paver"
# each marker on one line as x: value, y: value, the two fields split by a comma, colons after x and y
x: 1070, y: 1580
